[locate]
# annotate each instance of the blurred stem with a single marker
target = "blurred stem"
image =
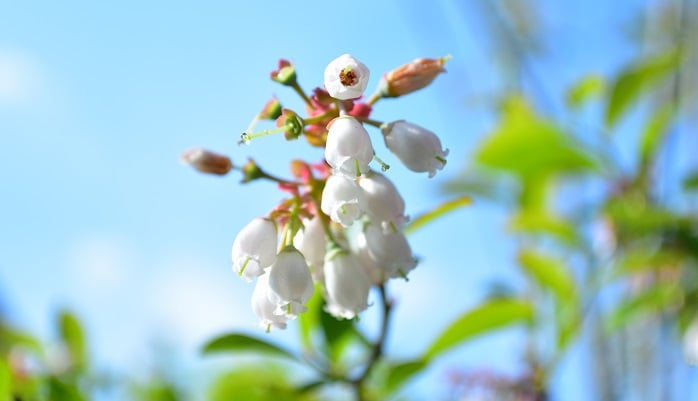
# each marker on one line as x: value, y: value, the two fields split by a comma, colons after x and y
x: 377, y: 350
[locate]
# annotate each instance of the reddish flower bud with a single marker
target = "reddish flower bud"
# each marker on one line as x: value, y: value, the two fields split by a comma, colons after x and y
x: 271, y: 110
x: 207, y: 162
x: 285, y: 74
x: 412, y: 76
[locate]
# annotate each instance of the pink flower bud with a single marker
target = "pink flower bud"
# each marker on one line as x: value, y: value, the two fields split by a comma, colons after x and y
x: 207, y: 162
x: 417, y: 148
x: 285, y: 74
x: 412, y: 76
x: 254, y: 248
x: 346, y: 77
x: 349, y: 149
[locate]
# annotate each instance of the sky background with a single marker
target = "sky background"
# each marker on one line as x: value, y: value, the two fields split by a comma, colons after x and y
x: 99, y: 99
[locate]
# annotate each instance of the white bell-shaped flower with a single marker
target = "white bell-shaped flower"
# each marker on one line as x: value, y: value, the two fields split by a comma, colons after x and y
x: 417, y: 148
x: 312, y: 242
x: 384, y: 205
x: 346, y: 77
x: 343, y: 200
x: 348, y: 149
x: 263, y: 307
x: 384, y: 255
x: 346, y: 285
x: 254, y: 248
x: 290, y: 282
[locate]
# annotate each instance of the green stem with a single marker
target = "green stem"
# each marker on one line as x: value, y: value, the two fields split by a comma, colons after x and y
x: 296, y: 86
x: 374, y: 98
x: 368, y: 121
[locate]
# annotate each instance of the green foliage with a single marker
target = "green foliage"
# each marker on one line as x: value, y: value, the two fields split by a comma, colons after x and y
x: 240, y: 343
x: 401, y: 372
x: 530, y: 146
x: 586, y: 89
x: 442, y: 210
x: 483, y: 319
x: 632, y: 83
x: 267, y: 382
x: 651, y: 301
x: 5, y: 380
x: 73, y: 336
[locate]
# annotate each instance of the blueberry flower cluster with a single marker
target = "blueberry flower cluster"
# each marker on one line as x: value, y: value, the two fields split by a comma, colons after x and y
x: 341, y: 230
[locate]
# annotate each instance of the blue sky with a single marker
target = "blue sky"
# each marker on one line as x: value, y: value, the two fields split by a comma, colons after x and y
x: 98, y: 100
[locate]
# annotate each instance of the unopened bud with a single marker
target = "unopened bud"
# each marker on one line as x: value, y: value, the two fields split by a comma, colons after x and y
x: 285, y: 74
x: 271, y: 110
x: 251, y: 171
x: 292, y: 124
x: 207, y: 162
x: 412, y: 76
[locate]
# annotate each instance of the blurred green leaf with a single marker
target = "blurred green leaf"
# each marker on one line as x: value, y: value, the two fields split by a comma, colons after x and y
x: 5, y: 380
x: 60, y: 390
x: 338, y: 334
x: 267, y: 382
x: 690, y: 183
x: 653, y: 300
x: 157, y: 389
x: 238, y: 343
x: 549, y: 273
x: 529, y: 146
x: 544, y: 223
x: 585, y: 89
x: 440, y: 211
x: 654, y: 130
x: 554, y: 276
x: 73, y: 337
x: 643, y: 259
x: 10, y: 337
x: 631, y: 83
x: 399, y: 373
x: 309, y: 321
x: 485, y: 318
x: 634, y: 216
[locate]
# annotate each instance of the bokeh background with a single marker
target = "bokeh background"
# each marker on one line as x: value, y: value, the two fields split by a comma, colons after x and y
x: 99, y: 216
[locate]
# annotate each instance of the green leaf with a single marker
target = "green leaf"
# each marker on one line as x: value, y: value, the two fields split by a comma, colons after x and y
x: 239, y: 343
x: 440, y: 211
x: 585, y: 89
x: 552, y: 275
x: 690, y: 183
x: 549, y: 273
x: 544, y: 223
x: 487, y: 317
x: 73, y: 337
x: 528, y: 145
x: 651, y: 301
x: 309, y: 321
x: 5, y: 380
x: 631, y: 83
x: 338, y: 334
x: 400, y: 373
x: 642, y: 260
x: 654, y: 131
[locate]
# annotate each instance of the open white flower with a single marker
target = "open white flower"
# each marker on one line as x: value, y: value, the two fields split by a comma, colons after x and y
x: 346, y: 77
x: 263, y: 307
x: 384, y: 255
x: 290, y: 282
x: 384, y: 205
x: 346, y: 285
x: 417, y: 148
x: 348, y: 149
x: 254, y: 248
x: 312, y: 242
x: 343, y: 200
